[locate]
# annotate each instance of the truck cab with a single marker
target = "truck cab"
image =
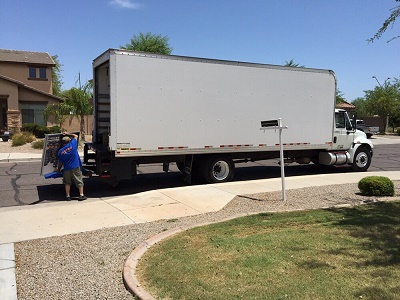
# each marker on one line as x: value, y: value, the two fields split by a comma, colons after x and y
x: 357, y: 148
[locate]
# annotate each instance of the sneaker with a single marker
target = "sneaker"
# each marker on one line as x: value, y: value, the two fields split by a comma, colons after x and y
x: 82, y: 197
x: 67, y: 198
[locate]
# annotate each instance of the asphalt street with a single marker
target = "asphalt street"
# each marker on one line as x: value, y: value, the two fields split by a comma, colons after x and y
x: 21, y: 183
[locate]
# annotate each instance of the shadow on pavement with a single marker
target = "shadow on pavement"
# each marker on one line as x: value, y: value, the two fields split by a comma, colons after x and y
x: 96, y: 188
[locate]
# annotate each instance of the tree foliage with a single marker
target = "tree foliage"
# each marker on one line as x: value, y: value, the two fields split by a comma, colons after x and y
x: 149, y: 43
x: 60, y: 111
x: 361, y: 109
x: 384, y: 100
x: 78, y: 99
x: 291, y: 63
x: 340, y: 97
x: 57, y: 77
x: 395, y: 12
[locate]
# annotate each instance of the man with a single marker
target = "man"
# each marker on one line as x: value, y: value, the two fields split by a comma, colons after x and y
x: 68, y: 157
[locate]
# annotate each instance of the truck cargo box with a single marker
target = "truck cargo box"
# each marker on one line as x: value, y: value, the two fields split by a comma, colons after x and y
x: 148, y: 104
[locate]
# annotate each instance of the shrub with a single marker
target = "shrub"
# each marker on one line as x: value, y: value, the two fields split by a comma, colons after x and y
x: 39, y: 144
x: 41, y: 131
x: 21, y: 138
x: 37, y: 130
x: 18, y: 140
x: 376, y: 186
x: 29, y: 127
x: 398, y: 130
x: 55, y: 129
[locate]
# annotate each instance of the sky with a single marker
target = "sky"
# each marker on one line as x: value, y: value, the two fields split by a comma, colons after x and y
x: 322, y: 34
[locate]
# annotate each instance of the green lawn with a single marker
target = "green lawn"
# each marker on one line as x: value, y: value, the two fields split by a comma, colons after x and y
x: 347, y: 253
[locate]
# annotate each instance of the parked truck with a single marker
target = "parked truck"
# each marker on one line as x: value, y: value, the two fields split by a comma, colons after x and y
x: 205, y: 116
x: 367, y: 129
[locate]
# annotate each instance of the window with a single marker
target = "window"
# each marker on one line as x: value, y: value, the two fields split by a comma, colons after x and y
x: 42, y: 73
x: 32, y: 72
x: 33, y: 113
x: 28, y: 115
x: 342, y: 121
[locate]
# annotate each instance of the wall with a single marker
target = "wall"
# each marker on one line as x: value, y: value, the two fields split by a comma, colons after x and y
x: 75, y: 125
x: 376, y: 121
x: 9, y: 91
x: 20, y: 72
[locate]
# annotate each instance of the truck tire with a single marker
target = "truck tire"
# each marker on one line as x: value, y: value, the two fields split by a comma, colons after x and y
x: 362, y: 159
x: 219, y: 168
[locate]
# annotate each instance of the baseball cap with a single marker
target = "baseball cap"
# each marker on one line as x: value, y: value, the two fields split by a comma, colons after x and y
x: 66, y: 139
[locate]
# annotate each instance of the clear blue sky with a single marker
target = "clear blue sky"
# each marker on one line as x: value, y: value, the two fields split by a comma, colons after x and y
x: 323, y: 34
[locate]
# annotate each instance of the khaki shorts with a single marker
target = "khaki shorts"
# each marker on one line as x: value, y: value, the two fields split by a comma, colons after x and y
x: 73, y: 175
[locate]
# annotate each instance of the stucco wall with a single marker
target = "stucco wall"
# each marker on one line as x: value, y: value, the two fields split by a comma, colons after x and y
x: 9, y: 91
x: 75, y: 125
x: 20, y: 72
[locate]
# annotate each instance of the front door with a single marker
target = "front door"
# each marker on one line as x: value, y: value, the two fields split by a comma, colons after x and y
x: 344, y: 134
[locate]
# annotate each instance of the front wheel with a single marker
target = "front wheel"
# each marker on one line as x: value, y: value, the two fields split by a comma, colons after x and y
x: 218, y: 169
x: 362, y: 160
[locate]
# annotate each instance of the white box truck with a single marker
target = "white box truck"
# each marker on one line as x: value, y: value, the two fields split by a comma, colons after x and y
x: 205, y: 115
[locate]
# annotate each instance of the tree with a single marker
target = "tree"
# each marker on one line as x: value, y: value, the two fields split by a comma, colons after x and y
x: 78, y: 99
x: 57, y: 77
x: 388, y: 22
x: 60, y: 112
x: 361, y: 109
x: 291, y: 63
x: 383, y: 100
x: 339, y: 96
x: 149, y: 43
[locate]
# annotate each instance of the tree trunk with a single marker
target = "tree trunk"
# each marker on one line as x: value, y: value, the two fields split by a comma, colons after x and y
x: 82, y: 127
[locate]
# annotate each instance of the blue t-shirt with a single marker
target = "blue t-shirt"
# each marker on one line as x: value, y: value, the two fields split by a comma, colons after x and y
x: 69, y: 155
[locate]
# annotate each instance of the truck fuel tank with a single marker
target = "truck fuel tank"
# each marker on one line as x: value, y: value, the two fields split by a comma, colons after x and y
x: 333, y: 158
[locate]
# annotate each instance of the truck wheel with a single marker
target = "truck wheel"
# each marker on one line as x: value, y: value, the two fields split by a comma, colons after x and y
x: 368, y: 135
x: 362, y: 160
x: 218, y: 169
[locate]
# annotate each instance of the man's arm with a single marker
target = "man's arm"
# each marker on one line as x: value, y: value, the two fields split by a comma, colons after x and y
x: 59, y: 166
x: 72, y: 135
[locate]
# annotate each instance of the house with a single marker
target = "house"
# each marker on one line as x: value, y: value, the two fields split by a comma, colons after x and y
x: 25, y: 87
x: 346, y: 106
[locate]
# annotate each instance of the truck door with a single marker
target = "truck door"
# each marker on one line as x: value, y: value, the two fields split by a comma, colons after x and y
x: 343, y: 135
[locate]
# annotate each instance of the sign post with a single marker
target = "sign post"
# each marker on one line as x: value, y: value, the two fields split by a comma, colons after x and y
x: 277, y: 124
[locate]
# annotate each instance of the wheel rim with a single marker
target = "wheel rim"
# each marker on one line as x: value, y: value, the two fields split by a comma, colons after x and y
x: 220, y: 170
x: 361, y: 159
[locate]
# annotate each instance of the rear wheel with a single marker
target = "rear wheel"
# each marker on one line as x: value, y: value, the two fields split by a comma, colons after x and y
x: 362, y: 159
x: 218, y: 169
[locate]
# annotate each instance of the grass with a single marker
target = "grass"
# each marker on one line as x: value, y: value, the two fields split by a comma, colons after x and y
x: 347, y: 253
x: 39, y: 144
x: 21, y: 138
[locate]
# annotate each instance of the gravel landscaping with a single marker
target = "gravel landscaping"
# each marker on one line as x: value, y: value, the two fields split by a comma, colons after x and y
x: 89, y: 265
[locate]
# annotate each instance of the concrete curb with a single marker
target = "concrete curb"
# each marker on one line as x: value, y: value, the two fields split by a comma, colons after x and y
x: 129, y: 276
x: 19, y: 160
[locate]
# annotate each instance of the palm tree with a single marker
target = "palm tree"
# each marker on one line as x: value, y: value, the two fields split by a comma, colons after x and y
x: 78, y: 99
